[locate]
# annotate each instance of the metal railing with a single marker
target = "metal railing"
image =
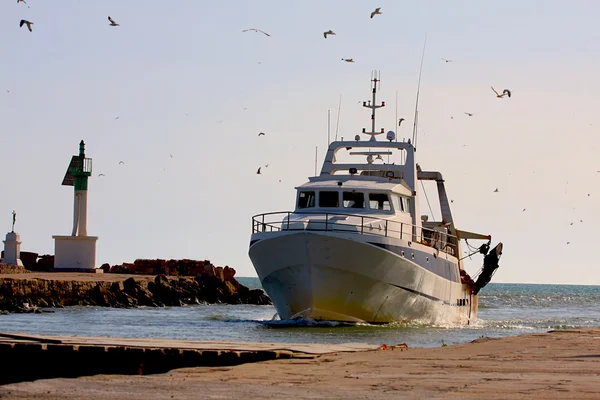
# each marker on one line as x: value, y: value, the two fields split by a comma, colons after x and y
x: 333, y: 222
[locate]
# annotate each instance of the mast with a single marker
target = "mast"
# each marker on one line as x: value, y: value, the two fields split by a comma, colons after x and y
x: 372, y: 104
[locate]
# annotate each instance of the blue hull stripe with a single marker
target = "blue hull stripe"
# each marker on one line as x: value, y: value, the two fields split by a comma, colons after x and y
x: 420, y: 294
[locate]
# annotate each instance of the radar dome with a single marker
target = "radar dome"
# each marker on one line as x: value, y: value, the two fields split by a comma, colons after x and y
x: 391, y: 136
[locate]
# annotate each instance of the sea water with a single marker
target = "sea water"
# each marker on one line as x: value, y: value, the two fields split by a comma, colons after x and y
x: 504, y: 310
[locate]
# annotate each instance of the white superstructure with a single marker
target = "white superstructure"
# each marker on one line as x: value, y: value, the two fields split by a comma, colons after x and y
x: 356, y: 248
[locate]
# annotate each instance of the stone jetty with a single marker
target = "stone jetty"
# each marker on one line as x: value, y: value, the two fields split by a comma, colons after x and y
x: 24, y: 291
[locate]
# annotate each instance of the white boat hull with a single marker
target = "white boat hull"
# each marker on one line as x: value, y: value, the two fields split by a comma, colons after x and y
x: 349, y: 277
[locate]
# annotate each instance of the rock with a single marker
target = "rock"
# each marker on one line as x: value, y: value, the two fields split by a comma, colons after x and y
x: 12, y: 269
x: 219, y: 274
x: 29, y: 259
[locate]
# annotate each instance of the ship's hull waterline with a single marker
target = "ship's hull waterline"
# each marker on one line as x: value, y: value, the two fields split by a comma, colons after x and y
x: 341, y: 277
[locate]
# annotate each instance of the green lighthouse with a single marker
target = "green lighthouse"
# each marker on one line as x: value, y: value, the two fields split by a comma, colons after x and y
x: 78, y: 251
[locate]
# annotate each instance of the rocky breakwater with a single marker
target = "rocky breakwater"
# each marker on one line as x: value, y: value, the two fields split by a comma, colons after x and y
x: 213, y: 285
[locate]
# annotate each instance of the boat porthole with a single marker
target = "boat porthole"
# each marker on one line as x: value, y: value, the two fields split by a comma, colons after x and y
x: 402, y: 252
x: 427, y: 259
x: 413, y: 255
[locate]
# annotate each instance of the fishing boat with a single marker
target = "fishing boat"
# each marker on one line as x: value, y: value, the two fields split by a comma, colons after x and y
x: 356, y: 247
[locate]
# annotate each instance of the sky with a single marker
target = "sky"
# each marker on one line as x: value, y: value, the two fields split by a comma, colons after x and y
x: 179, y: 93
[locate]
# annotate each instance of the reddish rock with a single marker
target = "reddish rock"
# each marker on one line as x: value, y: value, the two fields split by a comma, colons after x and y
x: 219, y: 274
x: 29, y: 259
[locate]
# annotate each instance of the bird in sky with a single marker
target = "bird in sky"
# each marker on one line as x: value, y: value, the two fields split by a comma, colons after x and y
x: 524, y: 209
x: 348, y: 60
x: 261, y: 134
x: 496, y: 191
x: 25, y: 22
x: 267, y: 165
x: 117, y: 118
x: 99, y: 175
x: 329, y: 32
x: 256, y: 30
x: 171, y: 155
x: 469, y: 114
x: 376, y: 12
x: 112, y: 22
x: 258, y: 171
x: 451, y: 201
x: 505, y: 92
x: 446, y: 60
x: 121, y: 162
x: 7, y: 91
x: 400, y: 121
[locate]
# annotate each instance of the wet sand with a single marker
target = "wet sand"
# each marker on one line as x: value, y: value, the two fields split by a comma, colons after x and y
x: 554, y: 365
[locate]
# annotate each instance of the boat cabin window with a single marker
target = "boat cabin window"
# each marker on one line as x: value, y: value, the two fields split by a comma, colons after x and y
x: 406, y: 202
x: 398, y: 203
x: 379, y: 201
x: 329, y: 199
x: 353, y: 200
x: 306, y: 199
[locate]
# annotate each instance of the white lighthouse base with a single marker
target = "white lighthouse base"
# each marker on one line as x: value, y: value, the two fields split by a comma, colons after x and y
x: 75, y: 253
x: 12, y: 249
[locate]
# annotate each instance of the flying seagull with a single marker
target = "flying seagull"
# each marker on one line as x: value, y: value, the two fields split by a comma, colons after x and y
x: 121, y: 162
x: 400, y: 121
x: 469, y: 114
x: 348, y: 60
x: 256, y: 30
x: 445, y: 59
x: 112, y: 22
x: 171, y: 155
x: 258, y: 171
x: 329, y: 32
x: 505, y: 92
x: 25, y: 22
x: 99, y: 175
x: 377, y: 11
x: 261, y: 134
x: 496, y: 191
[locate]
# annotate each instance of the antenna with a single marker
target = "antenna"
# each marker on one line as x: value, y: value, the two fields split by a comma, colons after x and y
x: 328, y: 127
x: 316, y: 150
x: 396, y: 116
x: 417, y: 101
x: 337, y: 125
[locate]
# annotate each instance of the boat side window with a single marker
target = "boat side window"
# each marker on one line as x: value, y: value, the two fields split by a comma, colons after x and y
x: 329, y: 199
x: 353, y: 200
x: 306, y: 199
x: 398, y: 203
x: 379, y: 201
x: 406, y: 202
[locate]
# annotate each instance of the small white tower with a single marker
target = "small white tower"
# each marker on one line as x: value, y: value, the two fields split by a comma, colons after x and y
x: 78, y: 251
x: 12, y: 245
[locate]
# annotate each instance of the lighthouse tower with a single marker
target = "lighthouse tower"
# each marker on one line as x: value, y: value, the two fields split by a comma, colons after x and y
x: 78, y: 251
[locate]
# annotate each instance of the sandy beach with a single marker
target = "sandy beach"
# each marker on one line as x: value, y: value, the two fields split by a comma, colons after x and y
x: 558, y: 365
